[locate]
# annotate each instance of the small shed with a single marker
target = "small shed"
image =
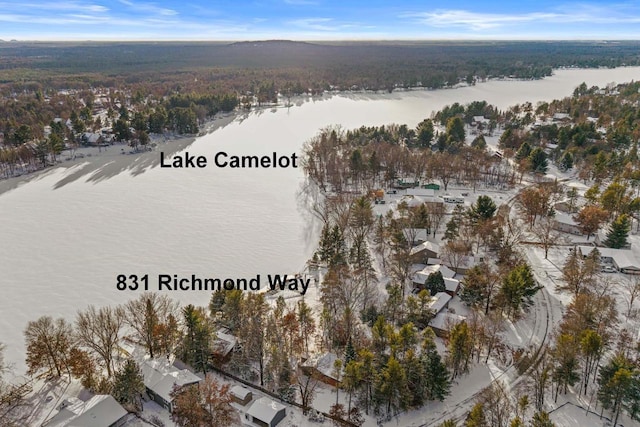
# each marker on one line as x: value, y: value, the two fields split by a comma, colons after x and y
x: 241, y: 395
x: 266, y: 413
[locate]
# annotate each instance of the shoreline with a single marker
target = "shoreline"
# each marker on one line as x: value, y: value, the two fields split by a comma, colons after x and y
x: 103, y: 162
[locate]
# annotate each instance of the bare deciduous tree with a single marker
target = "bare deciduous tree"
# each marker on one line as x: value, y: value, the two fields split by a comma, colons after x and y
x: 147, y: 316
x: 632, y: 291
x: 99, y: 330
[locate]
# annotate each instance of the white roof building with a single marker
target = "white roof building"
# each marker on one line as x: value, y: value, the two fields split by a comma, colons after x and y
x: 439, y: 302
x: 265, y: 411
x: 160, y: 377
x: 422, y: 275
x: 422, y: 192
x: 444, y: 321
x: 452, y: 285
x: 624, y: 260
x: 101, y: 410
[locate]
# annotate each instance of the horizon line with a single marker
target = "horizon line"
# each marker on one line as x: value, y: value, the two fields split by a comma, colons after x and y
x: 170, y: 40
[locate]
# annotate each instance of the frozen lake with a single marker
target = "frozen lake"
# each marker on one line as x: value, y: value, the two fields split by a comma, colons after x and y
x: 67, y: 233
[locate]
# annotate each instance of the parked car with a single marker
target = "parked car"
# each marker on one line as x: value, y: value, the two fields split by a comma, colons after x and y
x: 608, y: 269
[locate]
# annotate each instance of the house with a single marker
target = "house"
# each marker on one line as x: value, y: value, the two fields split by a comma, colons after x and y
x: 460, y: 264
x: 266, y: 413
x: 561, y: 117
x: 415, y: 236
x: 322, y: 368
x: 564, y: 206
x: 420, y: 278
x: 222, y: 346
x: 439, y: 302
x: 421, y: 253
x: 160, y: 378
x: 623, y: 260
x: 479, y: 120
x: 565, y: 223
x: 93, y: 139
x: 241, y: 395
x: 101, y: 410
x: 406, y: 183
x: 443, y: 322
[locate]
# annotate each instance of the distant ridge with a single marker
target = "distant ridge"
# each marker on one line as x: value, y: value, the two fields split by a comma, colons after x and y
x: 272, y: 43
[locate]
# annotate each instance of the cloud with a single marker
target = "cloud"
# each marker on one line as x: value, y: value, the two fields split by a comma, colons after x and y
x: 64, y: 6
x: 563, y: 14
x: 327, y: 25
x: 148, y: 8
x: 474, y: 20
x: 320, y: 24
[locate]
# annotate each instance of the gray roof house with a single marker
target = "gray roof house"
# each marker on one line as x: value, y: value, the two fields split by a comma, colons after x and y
x: 264, y: 412
x: 101, y: 410
x: 160, y: 377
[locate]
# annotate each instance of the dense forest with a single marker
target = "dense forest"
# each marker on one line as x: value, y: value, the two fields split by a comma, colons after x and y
x: 239, y: 66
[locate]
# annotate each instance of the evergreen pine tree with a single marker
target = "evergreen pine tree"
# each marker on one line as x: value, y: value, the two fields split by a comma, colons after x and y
x: 538, y: 160
x: 128, y: 385
x: 436, y: 375
x: 349, y: 353
x: 460, y: 346
x: 476, y: 417
x: 618, y: 232
x: 524, y: 151
x: 541, y: 419
x: 435, y: 283
x: 567, y: 161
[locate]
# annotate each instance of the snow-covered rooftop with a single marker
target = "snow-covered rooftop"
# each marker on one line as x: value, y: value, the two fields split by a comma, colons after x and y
x: 323, y: 363
x: 422, y: 192
x: 101, y: 410
x: 623, y: 258
x: 265, y: 409
x: 441, y: 299
x: 160, y: 376
x: 564, y: 218
x: 224, y: 343
x: 430, y: 246
x: 422, y: 275
x: 444, y: 320
x: 451, y: 285
x: 240, y: 392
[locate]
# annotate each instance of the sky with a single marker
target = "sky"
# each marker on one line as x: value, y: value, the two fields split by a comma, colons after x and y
x: 318, y: 20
